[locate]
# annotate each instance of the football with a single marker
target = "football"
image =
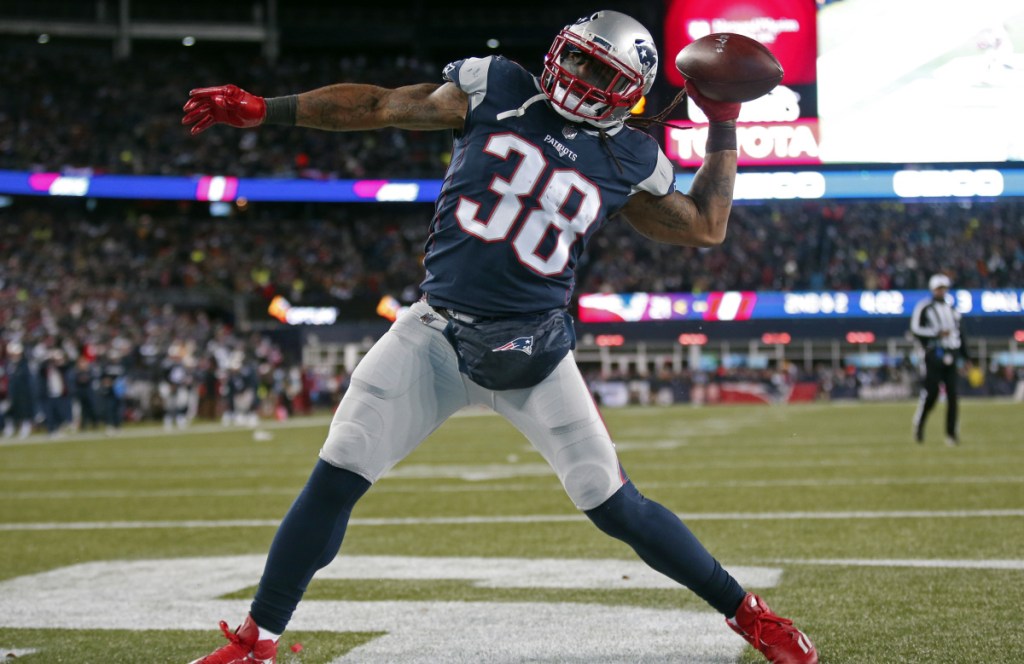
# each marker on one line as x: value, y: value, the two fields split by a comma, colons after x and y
x: 729, y: 67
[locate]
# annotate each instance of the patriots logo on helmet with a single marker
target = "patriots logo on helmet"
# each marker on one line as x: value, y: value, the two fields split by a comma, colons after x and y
x: 522, y: 344
x: 647, y: 54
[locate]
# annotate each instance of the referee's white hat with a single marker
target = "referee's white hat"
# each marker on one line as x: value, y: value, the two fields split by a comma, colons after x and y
x: 939, y: 281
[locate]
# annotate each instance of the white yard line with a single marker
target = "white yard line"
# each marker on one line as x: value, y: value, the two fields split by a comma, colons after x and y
x: 1015, y: 565
x: 158, y: 431
x: 534, y: 518
x: 477, y: 486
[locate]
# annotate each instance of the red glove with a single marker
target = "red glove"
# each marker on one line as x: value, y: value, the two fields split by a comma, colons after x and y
x: 225, y: 104
x: 717, y: 111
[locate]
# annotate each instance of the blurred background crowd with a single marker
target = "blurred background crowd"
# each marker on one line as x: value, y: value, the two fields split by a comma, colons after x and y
x: 83, y: 111
x: 114, y: 311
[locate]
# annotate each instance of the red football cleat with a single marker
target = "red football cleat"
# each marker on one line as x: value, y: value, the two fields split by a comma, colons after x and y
x: 244, y: 647
x: 772, y: 635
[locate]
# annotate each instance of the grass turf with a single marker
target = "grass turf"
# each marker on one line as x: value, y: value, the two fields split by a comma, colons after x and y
x: 818, y: 485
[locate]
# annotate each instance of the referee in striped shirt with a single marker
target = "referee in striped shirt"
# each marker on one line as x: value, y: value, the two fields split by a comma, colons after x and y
x: 936, y: 325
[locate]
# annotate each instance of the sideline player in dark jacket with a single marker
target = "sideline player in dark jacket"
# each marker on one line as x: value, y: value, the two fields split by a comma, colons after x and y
x: 538, y: 166
x: 935, y: 323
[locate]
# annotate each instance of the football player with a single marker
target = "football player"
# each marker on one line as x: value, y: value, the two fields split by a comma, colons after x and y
x: 539, y: 165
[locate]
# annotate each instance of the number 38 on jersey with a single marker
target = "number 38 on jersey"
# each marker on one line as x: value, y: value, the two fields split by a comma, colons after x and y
x: 563, y: 202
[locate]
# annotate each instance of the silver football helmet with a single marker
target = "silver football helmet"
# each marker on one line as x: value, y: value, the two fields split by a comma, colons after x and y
x: 599, y: 68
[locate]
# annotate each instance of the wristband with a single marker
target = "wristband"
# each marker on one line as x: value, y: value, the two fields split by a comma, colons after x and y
x: 721, y: 136
x: 282, y: 110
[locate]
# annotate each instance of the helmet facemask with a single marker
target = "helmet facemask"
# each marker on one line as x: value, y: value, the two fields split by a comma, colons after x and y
x: 590, y: 79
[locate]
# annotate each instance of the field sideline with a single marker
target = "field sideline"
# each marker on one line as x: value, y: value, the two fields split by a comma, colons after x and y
x: 130, y: 548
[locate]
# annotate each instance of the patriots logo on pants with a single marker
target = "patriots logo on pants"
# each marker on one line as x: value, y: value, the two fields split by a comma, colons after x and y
x: 522, y: 344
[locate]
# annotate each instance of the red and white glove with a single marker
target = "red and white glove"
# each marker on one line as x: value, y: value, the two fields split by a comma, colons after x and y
x: 224, y: 104
x: 717, y: 111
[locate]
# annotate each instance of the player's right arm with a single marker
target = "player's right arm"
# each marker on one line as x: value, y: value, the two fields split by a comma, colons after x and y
x: 353, y: 106
x: 340, y: 107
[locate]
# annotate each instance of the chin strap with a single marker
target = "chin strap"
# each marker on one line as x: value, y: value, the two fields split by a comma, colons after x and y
x: 515, y: 113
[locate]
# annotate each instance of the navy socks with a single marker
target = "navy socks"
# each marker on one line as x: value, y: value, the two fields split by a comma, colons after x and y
x: 667, y: 545
x: 311, y: 533
x: 308, y: 539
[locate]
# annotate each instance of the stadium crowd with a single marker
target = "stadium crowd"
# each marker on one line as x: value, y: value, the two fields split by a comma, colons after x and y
x: 823, y: 245
x: 93, y: 292
x: 363, y: 252
x: 111, y: 310
x: 92, y: 113
x: 91, y: 362
x: 82, y: 111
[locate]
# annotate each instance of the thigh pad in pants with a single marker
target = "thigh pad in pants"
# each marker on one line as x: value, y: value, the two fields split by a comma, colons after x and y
x: 403, y: 389
x: 560, y: 419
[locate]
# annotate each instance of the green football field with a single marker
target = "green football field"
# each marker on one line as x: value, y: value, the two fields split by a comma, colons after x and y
x: 130, y: 548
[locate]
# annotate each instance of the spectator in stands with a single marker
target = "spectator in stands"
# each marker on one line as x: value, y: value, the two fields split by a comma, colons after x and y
x: 55, y: 390
x: 84, y: 381
x: 113, y: 387
x: 22, y: 393
x: 176, y: 386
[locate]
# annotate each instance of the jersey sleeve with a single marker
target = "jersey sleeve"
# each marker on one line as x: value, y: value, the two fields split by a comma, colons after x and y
x: 662, y: 181
x: 470, y: 76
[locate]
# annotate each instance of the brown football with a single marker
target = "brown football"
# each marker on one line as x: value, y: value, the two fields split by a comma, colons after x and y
x: 729, y: 67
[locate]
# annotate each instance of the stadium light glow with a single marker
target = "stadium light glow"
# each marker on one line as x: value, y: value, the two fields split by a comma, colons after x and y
x: 776, y: 338
x: 693, y: 339
x: 283, y: 310
x: 609, y: 340
x: 860, y: 337
x: 390, y: 308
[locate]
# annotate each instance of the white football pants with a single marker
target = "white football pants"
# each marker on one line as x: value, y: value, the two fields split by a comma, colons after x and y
x: 409, y: 383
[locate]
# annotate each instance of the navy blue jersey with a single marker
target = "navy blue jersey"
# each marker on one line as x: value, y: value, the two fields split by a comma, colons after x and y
x: 525, y: 191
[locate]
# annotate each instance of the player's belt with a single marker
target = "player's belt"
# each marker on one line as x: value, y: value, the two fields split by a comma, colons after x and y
x: 451, y: 314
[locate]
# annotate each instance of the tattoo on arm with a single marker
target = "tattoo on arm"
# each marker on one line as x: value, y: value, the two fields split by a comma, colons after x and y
x: 698, y: 218
x: 353, y: 107
x: 669, y: 214
x: 340, y: 107
x: 713, y: 186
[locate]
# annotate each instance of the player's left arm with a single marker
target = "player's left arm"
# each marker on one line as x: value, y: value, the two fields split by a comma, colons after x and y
x: 698, y: 218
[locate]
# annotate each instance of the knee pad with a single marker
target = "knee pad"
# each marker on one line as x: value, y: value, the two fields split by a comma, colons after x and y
x: 350, y: 445
x: 588, y: 477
